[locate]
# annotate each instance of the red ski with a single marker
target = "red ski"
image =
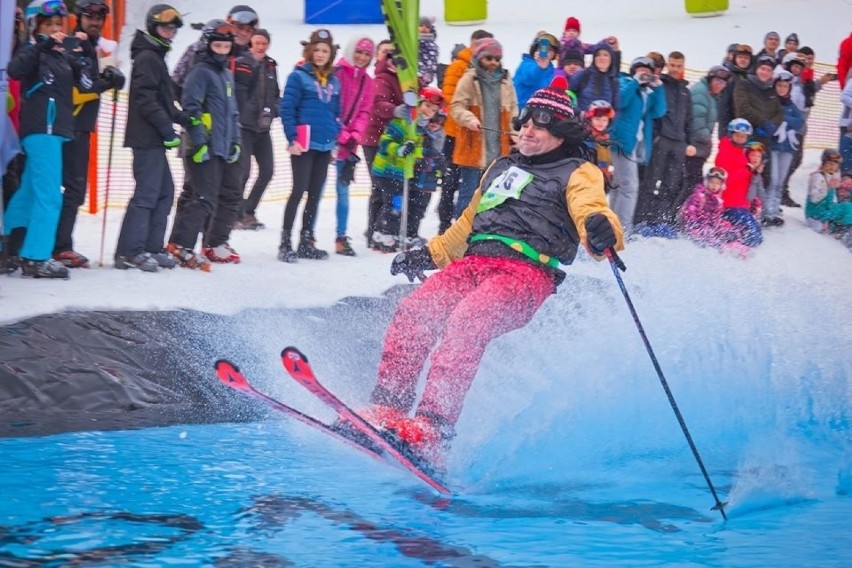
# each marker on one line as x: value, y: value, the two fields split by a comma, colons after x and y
x: 229, y: 374
x: 297, y: 366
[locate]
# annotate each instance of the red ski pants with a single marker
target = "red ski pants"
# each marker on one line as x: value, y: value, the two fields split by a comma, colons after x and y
x: 465, y: 306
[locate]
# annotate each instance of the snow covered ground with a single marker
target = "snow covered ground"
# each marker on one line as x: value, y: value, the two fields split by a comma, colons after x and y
x: 792, y: 254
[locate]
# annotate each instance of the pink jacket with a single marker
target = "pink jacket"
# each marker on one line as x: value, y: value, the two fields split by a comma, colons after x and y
x: 356, y: 101
x: 702, y: 218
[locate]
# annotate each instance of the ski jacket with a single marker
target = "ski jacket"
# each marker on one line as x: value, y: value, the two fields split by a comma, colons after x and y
x: 732, y: 159
x: 544, y: 208
x: 209, y: 101
x: 185, y: 63
x: 388, y: 164
x: 790, y: 138
x: 676, y: 124
x: 529, y: 78
x: 637, y: 105
x: 47, y: 78
x: 356, y: 102
x: 87, y: 105
x: 726, y: 97
x: 265, y: 98
x: 757, y: 102
x: 702, y: 221
x: 822, y: 204
x: 427, y: 59
x: 387, y: 95
x: 245, y: 69
x: 591, y: 84
x: 467, y: 104
x: 309, y: 99
x: 705, y: 115
x: 151, y: 110
x: 844, y: 61
x: 452, y: 75
x: 427, y: 168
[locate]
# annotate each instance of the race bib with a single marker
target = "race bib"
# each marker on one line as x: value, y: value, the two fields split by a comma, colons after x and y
x: 507, y: 185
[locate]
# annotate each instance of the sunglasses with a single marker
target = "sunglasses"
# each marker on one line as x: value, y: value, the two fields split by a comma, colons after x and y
x: 492, y: 58
x: 49, y: 8
x: 168, y: 27
x: 540, y: 117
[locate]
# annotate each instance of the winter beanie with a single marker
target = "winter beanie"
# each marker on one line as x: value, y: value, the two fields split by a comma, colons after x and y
x: 553, y: 100
x: 488, y: 46
x: 792, y: 37
x: 365, y: 44
x: 262, y: 32
x: 572, y: 56
x: 572, y: 23
x: 428, y: 22
x: 771, y: 35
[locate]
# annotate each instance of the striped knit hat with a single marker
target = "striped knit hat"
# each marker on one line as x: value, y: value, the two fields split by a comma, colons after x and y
x: 554, y: 100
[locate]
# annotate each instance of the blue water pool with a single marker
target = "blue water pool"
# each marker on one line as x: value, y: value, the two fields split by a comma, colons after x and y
x: 568, y: 454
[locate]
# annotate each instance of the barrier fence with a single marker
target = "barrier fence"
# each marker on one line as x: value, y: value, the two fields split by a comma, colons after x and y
x: 822, y: 133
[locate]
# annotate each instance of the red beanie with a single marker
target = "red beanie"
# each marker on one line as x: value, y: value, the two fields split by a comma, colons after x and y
x: 572, y: 23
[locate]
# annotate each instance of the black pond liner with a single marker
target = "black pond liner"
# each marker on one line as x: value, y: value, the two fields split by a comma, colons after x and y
x: 111, y: 370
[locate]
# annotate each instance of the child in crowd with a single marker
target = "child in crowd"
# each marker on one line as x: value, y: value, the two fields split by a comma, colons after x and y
x: 427, y: 170
x: 824, y: 211
x: 756, y: 157
x: 571, y: 39
x: 536, y: 68
x: 598, y: 118
x: 785, y: 143
x: 402, y: 138
x: 731, y: 157
x: 427, y: 54
x: 570, y: 62
x: 701, y: 216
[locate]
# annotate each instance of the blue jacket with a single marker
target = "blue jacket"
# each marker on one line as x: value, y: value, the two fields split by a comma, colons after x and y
x: 795, y: 124
x: 529, y: 78
x: 632, y: 109
x: 307, y: 101
x: 590, y: 84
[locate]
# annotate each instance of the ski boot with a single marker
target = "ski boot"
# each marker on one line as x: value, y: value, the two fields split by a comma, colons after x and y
x: 143, y: 261
x: 71, y: 259
x: 187, y: 258
x: 222, y: 254
x: 49, y: 268
x: 164, y: 260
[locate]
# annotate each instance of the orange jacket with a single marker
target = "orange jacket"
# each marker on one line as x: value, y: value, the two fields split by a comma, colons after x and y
x: 453, y: 73
x: 467, y: 104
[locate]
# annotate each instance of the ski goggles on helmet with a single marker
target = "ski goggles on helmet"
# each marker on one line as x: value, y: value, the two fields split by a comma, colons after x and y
x: 755, y: 146
x: 48, y: 8
x: 600, y: 108
x: 167, y: 17
x: 432, y: 95
x: 244, y: 17
x: 222, y: 32
x: 717, y: 173
x: 539, y: 116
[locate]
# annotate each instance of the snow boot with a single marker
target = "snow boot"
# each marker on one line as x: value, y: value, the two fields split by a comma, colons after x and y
x: 307, y: 247
x: 285, y: 250
x: 343, y: 246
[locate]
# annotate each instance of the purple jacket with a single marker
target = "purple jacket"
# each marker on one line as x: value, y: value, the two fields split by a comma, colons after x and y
x: 702, y: 218
x: 387, y: 95
x: 356, y: 102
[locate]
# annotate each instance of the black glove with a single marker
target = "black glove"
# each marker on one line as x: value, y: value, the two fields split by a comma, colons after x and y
x: 405, y: 149
x: 599, y: 233
x: 114, y: 77
x: 412, y: 263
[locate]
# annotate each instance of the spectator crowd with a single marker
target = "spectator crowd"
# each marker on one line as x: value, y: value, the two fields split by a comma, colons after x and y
x: 647, y: 128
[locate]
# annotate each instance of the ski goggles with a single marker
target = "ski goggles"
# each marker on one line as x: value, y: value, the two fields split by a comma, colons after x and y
x: 49, y: 8
x: 436, y: 99
x: 244, y: 17
x: 220, y: 32
x: 755, y: 146
x: 167, y: 17
x: 717, y: 173
x: 600, y: 110
x: 95, y: 11
x: 540, y: 117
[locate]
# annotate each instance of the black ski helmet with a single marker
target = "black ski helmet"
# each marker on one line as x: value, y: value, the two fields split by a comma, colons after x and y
x: 217, y: 29
x: 92, y: 6
x: 161, y: 14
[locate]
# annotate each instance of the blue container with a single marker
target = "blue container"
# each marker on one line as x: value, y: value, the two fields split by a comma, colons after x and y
x: 343, y: 12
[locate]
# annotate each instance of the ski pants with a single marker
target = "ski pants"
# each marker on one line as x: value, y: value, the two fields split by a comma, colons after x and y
x: 449, y: 187
x: 75, y: 178
x: 622, y: 199
x: 144, y: 226
x: 229, y: 201
x: 461, y: 309
x: 38, y: 201
x: 198, y: 202
x: 259, y: 145
x: 746, y: 226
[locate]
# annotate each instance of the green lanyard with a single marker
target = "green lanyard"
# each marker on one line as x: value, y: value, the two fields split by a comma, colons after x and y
x: 521, y: 247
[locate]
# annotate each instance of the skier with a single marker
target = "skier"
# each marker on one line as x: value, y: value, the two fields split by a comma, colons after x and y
x: 500, y: 262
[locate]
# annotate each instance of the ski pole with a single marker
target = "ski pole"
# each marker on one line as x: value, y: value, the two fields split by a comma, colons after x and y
x: 497, y: 130
x: 108, y: 174
x: 617, y: 264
